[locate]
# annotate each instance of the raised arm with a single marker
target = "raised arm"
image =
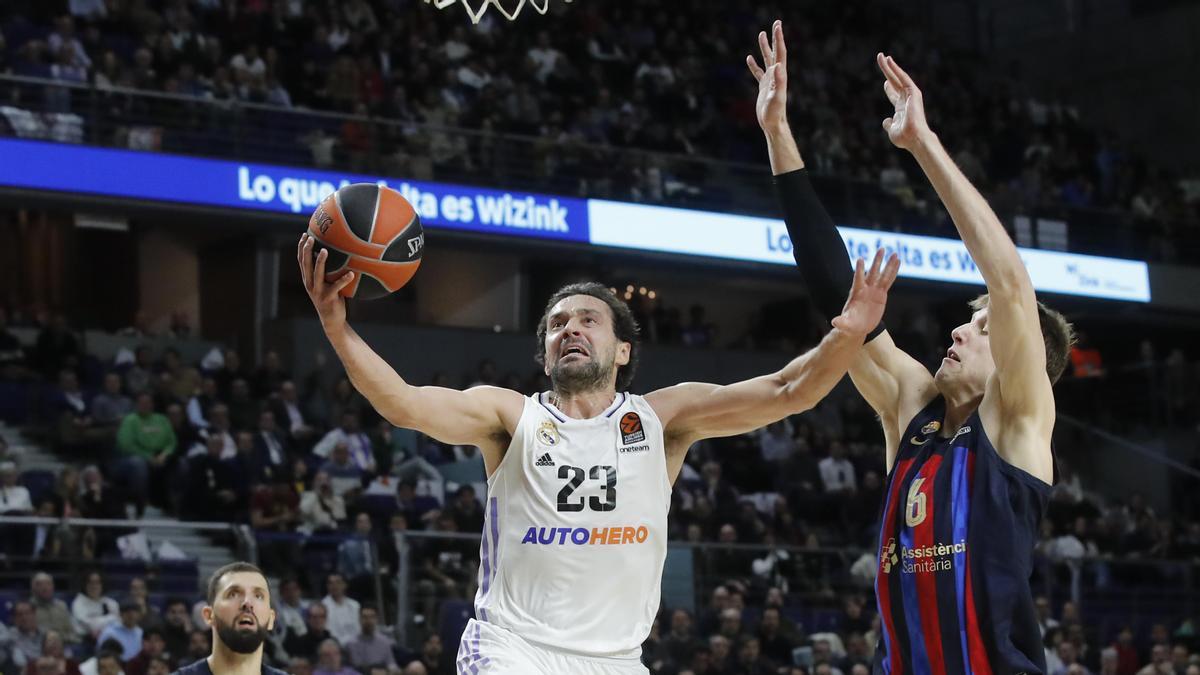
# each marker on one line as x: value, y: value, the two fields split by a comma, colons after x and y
x: 693, y: 411
x: 1013, y: 324
x: 481, y: 416
x: 894, y: 384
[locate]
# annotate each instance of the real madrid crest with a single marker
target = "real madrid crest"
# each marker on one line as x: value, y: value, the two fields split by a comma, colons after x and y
x: 547, y: 433
x: 931, y: 428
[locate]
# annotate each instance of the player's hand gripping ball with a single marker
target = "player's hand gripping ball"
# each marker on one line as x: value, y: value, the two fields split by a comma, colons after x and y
x: 372, y: 230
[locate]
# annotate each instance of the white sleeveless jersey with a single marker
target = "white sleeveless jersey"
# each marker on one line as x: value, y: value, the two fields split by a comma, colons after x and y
x: 576, y: 529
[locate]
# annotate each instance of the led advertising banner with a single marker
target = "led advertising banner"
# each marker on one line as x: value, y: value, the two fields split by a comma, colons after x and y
x: 765, y: 240
x: 159, y: 177
x: 221, y: 183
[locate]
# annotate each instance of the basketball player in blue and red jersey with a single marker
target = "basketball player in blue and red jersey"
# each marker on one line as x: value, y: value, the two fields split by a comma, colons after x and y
x: 968, y: 448
x: 579, y: 477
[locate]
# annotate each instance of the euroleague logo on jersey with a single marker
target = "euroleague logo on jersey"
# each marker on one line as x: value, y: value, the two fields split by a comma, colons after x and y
x: 631, y: 429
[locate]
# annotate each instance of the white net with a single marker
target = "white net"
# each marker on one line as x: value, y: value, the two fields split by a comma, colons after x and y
x: 477, y: 8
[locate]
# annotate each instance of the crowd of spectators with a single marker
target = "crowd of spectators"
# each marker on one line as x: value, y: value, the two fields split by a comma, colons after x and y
x: 747, y: 632
x: 736, y: 630
x: 95, y: 631
x: 302, y: 459
x: 589, y: 79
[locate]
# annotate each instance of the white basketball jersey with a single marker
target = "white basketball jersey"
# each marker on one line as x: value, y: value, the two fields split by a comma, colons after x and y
x: 576, y: 529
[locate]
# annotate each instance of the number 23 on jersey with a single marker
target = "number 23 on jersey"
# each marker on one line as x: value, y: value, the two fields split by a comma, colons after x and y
x: 575, y: 475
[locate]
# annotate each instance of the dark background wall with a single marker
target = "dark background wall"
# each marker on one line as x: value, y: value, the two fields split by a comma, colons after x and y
x: 1129, y: 65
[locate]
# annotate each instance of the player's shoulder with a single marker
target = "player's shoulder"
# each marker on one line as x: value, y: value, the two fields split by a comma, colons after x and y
x: 509, y: 405
x: 669, y: 400
x: 497, y: 396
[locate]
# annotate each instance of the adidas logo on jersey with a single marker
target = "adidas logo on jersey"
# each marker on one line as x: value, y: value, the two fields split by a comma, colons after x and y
x: 545, y: 460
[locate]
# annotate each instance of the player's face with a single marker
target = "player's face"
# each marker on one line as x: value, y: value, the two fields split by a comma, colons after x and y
x: 242, y: 612
x: 968, y: 362
x: 582, y: 349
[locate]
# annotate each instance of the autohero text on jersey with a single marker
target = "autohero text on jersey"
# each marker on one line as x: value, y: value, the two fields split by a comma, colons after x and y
x: 580, y: 536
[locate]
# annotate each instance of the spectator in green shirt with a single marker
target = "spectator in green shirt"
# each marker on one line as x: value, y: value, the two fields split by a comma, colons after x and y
x: 145, y: 440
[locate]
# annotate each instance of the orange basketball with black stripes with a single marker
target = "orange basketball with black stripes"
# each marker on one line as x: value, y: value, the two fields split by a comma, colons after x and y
x: 372, y: 230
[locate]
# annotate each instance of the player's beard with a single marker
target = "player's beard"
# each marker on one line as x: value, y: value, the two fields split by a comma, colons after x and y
x: 240, y: 640
x: 575, y: 378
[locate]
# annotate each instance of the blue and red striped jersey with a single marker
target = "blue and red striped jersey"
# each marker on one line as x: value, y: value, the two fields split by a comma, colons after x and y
x: 956, y: 541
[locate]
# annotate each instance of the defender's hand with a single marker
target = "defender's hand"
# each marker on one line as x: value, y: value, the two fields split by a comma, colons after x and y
x: 868, y: 296
x: 771, y: 78
x: 907, y: 126
x: 323, y: 291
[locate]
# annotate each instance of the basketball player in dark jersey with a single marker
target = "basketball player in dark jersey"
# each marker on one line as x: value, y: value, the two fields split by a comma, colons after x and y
x: 240, y: 616
x: 968, y: 448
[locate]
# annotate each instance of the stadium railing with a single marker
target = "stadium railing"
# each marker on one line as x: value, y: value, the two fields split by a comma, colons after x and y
x: 175, y: 573
x: 73, y: 112
x: 1110, y: 591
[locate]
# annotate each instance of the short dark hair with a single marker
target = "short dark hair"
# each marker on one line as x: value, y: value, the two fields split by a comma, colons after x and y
x: 1057, y: 333
x: 215, y: 580
x: 625, y: 327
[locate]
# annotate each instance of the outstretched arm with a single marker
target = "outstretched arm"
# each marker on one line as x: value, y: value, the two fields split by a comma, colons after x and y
x: 693, y: 411
x: 481, y: 416
x: 1017, y: 346
x: 894, y: 384
x: 771, y: 107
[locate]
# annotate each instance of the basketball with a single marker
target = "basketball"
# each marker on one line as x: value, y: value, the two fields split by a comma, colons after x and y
x: 372, y: 230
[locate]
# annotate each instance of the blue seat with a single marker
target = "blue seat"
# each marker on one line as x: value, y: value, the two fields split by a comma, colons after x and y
x: 825, y: 621
x: 14, y: 403
x: 7, y: 600
x: 178, y: 585
x: 39, y: 482
x: 380, y: 507
x: 120, y: 567
x: 796, y: 615
x: 452, y: 620
x: 158, y: 600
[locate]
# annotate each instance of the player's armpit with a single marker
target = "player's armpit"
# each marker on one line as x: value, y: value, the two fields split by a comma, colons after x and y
x: 482, y: 416
x: 894, y: 384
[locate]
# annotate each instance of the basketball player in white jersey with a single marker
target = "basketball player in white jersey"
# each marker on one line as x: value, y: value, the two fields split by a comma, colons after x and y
x: 579, y: 478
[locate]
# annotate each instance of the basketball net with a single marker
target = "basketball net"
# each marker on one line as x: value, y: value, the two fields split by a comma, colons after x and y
x: 476, y: 13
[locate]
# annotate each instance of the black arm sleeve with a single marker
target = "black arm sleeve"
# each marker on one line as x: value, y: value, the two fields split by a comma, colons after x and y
x: 817, y: 247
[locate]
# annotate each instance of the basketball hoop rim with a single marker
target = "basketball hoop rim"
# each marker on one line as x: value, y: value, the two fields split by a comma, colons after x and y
x: 476, y: 13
